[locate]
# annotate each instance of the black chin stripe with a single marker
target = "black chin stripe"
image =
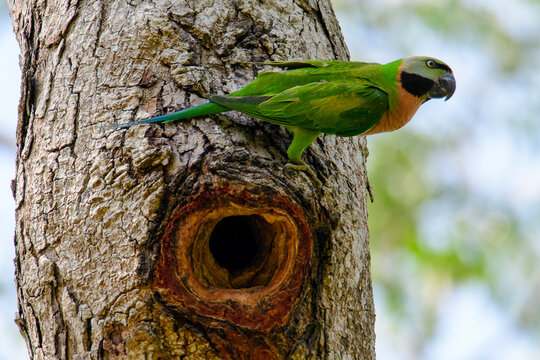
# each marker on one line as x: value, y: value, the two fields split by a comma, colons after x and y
x: 415, y: 84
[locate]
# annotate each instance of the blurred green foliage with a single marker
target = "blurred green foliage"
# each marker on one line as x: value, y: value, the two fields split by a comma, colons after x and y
x: 439, y: 220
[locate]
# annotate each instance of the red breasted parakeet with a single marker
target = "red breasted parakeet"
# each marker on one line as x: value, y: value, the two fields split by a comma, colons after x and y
x: 344, y: 98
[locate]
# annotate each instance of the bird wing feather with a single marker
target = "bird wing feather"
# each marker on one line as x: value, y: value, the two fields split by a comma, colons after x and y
x: 342, y: 108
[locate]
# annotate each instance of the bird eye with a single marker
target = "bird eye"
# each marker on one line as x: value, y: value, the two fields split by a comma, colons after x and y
x: 430, y: 64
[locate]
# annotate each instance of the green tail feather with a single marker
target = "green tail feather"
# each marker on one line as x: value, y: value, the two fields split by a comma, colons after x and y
x: 203, y: 109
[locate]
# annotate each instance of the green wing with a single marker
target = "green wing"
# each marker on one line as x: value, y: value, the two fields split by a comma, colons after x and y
x: 341, y: 108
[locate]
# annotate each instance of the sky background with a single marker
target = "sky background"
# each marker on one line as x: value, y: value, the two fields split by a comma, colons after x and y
x: 12, y: 346
x: 456, y: 220
x: 455, y: 227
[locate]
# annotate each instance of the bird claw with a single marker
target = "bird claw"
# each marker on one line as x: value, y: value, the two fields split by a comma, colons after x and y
x: 301, y: 166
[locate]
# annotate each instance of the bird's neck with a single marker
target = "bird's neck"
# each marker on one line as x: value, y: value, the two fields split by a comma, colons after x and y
x: 400, y: 114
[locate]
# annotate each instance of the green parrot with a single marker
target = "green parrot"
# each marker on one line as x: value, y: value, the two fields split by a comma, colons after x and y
x: 344, y: 98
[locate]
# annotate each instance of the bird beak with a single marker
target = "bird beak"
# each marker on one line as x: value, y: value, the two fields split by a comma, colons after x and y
x: 445, y: 86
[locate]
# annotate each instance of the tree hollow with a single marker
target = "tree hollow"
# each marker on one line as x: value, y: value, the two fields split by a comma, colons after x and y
x: 236, y: 255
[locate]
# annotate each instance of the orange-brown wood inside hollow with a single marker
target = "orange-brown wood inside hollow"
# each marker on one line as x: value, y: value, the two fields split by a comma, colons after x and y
x: 263, y: 295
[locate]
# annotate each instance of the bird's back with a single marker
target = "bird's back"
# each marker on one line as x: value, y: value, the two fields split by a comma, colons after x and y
x: 300, y: 73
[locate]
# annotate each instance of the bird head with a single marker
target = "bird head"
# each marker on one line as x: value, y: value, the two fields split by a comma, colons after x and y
x: 427, y: 78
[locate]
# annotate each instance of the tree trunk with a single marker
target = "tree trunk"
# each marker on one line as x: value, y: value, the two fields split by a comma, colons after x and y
x: 185, y: 240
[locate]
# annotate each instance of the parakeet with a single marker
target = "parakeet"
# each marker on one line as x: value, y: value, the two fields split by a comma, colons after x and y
x: 344, y: 98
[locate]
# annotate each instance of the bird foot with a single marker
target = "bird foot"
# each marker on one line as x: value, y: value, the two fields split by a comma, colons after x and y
x: 301, y: 166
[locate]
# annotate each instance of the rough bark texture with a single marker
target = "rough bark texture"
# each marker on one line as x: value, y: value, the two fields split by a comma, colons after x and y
x: 114, y: 228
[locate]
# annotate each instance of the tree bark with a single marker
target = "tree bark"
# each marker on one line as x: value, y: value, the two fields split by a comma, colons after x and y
x: 185, y: 240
